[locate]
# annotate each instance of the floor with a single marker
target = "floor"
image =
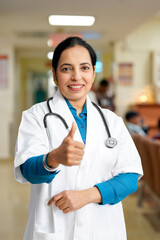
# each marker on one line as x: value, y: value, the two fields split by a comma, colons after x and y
x: 14, y: 206
x: 142, y: 223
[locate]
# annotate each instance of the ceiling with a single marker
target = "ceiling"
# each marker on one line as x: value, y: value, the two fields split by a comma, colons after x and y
x: 25, y: 22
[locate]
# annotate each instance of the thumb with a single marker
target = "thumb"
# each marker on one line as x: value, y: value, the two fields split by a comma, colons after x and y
x: 72, y: 131
x: 54, y: 199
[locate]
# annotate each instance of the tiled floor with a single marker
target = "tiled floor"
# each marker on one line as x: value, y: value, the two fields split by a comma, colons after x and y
x: 138, y: 226
x: 14, y: 206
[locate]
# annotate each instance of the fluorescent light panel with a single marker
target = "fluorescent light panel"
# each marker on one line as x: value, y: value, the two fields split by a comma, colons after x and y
x: 67, y: 20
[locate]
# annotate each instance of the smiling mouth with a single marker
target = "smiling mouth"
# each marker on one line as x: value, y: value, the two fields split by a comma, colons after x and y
x: 76, y: 87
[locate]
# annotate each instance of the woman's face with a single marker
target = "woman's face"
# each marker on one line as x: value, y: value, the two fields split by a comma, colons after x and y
x: 75, y: 74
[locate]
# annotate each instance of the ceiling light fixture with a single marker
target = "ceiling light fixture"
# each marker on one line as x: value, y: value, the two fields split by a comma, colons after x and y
x: 68, y: 20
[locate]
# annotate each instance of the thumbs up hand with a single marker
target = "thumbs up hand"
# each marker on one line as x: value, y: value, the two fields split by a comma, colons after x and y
x: 72, y: 131
x: 69, y: 153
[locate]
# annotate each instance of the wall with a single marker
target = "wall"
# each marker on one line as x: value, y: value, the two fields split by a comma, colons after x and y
x: 7, y: 103
x: 108, y: 59
x: 13, y: 97
x: 136, y: 48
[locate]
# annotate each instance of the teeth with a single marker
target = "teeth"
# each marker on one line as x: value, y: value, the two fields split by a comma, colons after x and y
x: 76, y: 86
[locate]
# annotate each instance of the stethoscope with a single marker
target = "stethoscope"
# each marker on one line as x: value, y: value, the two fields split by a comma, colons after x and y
x: 110, y: 142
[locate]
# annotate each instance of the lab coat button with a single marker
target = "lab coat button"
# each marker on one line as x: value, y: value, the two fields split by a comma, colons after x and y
x: 78, y: 224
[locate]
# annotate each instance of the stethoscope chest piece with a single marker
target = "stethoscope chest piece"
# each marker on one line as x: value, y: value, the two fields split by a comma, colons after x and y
x: 111, y: 142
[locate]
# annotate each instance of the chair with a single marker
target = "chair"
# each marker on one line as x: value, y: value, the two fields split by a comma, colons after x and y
x: 142, y: 145
x: 147, y: 161
x: 154, y: 149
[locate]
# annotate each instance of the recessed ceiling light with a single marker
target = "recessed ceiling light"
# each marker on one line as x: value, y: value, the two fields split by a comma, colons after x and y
x: 68, y: 20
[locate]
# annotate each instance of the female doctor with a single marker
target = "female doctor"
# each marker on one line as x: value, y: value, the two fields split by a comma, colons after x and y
x: 77, y: 179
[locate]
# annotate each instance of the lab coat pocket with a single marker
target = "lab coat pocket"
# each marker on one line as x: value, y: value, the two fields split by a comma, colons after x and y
x: 48, y: 236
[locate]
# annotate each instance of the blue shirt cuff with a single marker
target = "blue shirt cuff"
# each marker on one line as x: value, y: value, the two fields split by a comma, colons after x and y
x: 34, y: 172
x: 117, y: 188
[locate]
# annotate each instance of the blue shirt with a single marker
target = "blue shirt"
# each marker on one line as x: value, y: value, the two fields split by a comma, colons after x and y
x: 81, y: 120
x: 112, y: 191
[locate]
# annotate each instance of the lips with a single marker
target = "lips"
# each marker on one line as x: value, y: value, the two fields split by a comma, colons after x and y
x: 76, y: 87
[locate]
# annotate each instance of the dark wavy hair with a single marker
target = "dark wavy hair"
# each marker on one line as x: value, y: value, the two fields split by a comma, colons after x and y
x: 68, y: 43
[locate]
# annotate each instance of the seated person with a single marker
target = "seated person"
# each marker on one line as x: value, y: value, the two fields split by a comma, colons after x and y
x: 133, y: 123
x: 157, y: 135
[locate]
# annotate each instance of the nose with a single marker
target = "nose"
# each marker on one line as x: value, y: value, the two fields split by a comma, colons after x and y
x: 76, y: 75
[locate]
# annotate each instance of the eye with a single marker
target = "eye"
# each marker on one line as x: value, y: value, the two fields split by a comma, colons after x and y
x: 66, y: 69
x: 85, y: 67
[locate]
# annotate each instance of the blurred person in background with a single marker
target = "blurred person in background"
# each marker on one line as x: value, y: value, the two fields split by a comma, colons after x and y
x: 105, y: 96
x: 40, y: 94
x: 134, y: 123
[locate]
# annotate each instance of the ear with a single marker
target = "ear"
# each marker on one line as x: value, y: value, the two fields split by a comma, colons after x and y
x: 54, y: 77
x: 94, y: 73
x: 54, y: 73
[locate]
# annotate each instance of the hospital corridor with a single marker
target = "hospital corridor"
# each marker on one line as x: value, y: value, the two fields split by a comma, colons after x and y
x: 98, y: 64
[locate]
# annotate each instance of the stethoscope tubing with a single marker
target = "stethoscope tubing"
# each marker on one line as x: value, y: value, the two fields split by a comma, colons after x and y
x: 110, y: 142
x: 49, y: 108
x: 56, y: 115
x: 103, y: 119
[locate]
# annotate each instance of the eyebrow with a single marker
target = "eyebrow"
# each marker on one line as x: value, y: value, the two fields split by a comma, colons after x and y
x: 68, y: 64
x: 65, y: 64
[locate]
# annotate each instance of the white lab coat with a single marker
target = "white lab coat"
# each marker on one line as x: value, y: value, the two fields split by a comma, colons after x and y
x: 99, y: 163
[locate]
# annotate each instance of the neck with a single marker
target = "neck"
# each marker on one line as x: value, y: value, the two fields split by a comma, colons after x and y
x: 77, y: 105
